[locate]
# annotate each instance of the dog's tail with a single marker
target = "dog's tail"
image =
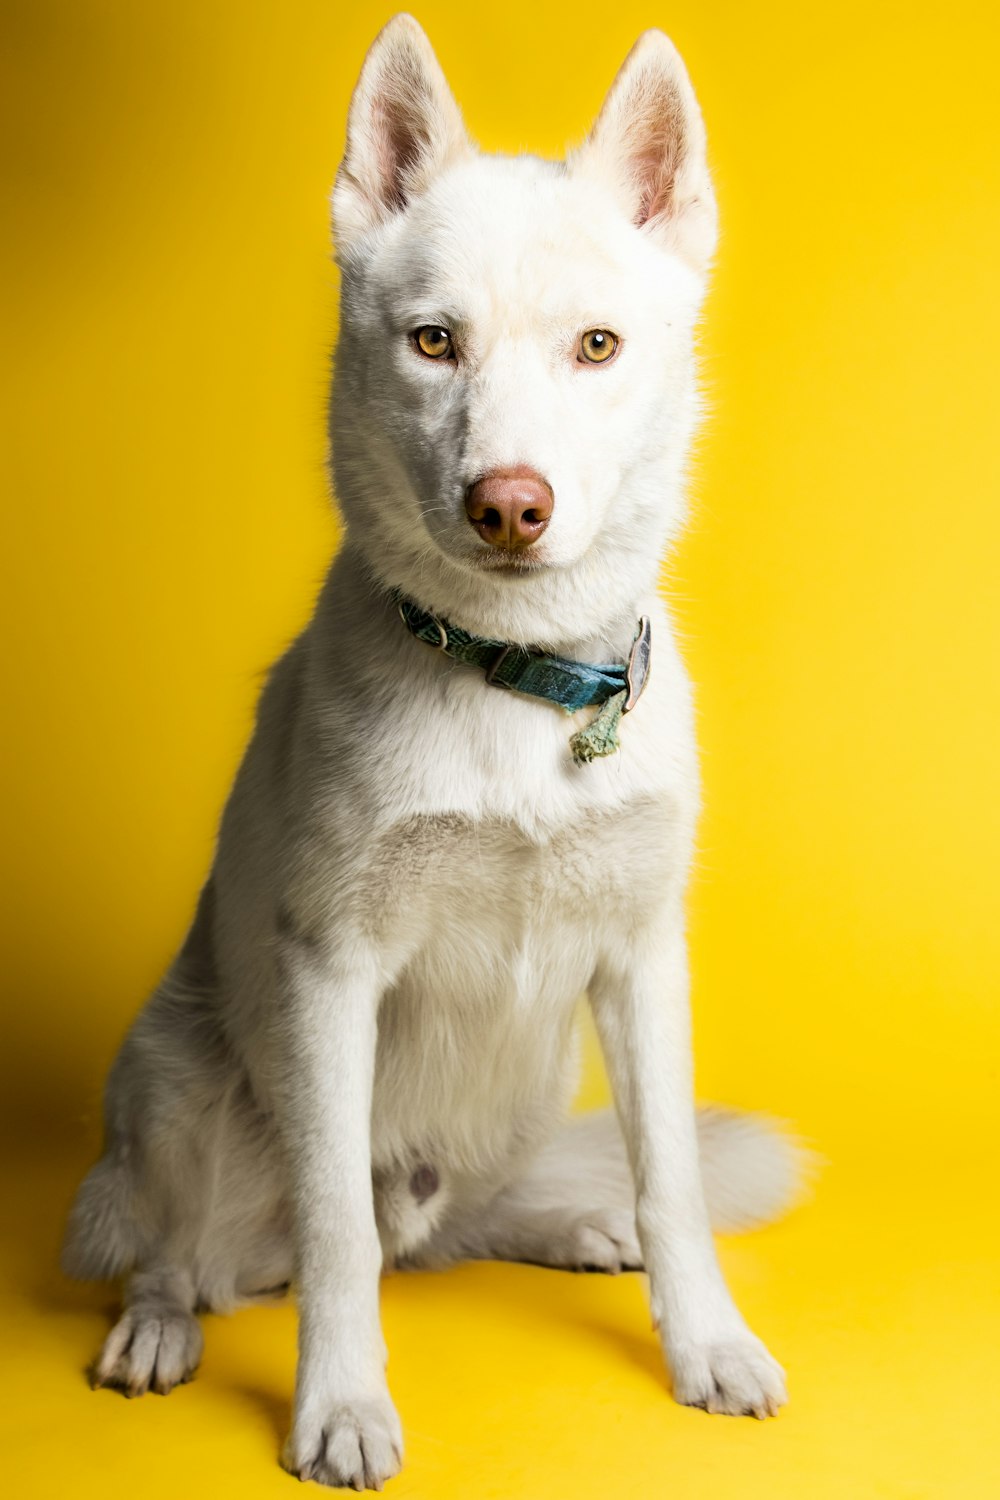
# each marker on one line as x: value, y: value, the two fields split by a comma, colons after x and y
x: 102, y: 1238
x: 752, y: 1169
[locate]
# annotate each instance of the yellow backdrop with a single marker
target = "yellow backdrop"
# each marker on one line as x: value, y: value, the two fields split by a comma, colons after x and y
x: 170, y: 305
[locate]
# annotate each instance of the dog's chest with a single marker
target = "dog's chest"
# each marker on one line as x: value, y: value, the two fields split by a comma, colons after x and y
x: 460, y: 879
x: 504, y: 929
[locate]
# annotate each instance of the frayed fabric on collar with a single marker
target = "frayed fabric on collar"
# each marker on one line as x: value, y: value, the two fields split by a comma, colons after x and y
x: 614, y: 687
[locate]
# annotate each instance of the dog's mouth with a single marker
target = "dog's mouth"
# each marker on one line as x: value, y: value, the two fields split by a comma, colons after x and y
x: 508, y: 564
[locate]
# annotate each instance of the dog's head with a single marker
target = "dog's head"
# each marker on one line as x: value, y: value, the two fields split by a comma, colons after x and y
x: 514, y: 391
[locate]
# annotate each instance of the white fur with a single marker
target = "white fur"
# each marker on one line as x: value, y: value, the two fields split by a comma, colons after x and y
x: 413, y: 879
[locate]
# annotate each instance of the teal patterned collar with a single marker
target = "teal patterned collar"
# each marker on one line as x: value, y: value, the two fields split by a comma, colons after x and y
x: 616, y: 686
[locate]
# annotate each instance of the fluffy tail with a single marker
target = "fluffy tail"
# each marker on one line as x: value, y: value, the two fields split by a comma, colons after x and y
x: 752, y: 1171
x: 102, y: 1237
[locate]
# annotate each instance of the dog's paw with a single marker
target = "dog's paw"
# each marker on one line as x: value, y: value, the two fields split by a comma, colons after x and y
x: 358, y: 1444
x: 149, y: 1348
x: 736, y: 1377
x: 604, y: 1240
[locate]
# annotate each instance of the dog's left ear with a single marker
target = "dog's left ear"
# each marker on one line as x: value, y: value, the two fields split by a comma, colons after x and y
x: 403, y: 127
x: 649, y: 143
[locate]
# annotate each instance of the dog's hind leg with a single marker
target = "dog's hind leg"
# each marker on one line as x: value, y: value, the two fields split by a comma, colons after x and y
x: 187, y: 1201
x: 573, y: 1206
x: 157, y: 1342
x: 522, y: 1224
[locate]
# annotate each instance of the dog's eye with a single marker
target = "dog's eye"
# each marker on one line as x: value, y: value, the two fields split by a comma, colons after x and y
x: 598, y: 345
x: 434, y: 342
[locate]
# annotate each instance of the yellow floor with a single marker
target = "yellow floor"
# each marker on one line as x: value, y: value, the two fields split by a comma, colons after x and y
x: 881, y: 1298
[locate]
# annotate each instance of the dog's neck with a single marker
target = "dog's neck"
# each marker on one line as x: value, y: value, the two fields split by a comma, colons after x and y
x: 589, y: 618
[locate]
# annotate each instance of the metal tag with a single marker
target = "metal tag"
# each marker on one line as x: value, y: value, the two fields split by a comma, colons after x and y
x: 637, y: 670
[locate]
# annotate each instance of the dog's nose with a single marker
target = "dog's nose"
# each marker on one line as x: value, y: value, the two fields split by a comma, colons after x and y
x: 510, y: 508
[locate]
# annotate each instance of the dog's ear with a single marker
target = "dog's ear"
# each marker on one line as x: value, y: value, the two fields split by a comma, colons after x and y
x: 649, y: 143
x: 403, y: 127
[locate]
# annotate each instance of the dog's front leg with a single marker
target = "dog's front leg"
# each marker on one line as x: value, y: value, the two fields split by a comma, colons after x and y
x: 639, y: 996
x: 345, y: 1429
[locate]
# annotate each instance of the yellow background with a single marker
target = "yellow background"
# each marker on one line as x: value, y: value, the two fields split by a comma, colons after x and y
x: 170, y: 304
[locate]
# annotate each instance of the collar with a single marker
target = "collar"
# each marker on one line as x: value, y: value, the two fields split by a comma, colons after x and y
x: 616, y: 686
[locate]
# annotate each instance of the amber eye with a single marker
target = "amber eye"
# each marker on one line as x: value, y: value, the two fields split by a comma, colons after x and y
x: 434, y: 342
x: 598, y: 345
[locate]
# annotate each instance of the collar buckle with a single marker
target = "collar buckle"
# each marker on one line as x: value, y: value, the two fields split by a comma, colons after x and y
x: 441, y: 644
x: 495, y: 665
x: 637, y: 669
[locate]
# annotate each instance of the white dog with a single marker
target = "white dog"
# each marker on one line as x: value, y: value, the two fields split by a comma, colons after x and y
x: 363, y: 1054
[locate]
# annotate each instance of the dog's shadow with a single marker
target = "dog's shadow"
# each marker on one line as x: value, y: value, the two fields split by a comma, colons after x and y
x: 560, y: 1301
x: 538, y: 1306
x: 550, y: 1305
x: 275, y: 1407
x: 538, y: 1303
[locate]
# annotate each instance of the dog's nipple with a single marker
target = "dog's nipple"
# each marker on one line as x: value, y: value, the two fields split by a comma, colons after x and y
x: 424, y: 1183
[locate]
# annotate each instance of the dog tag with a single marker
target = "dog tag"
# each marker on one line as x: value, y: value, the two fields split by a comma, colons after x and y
x: 638, y: 664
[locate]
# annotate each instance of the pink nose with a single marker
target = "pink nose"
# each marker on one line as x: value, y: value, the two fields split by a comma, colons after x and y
x: 510, y: 508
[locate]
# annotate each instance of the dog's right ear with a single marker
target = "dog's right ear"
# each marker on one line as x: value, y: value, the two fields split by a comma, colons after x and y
x: 403, y: 127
